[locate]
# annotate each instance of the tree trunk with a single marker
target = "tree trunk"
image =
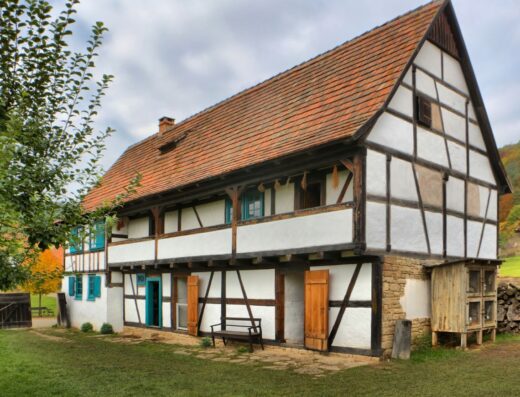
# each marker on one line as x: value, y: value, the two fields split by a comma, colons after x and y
x: 40, y: 304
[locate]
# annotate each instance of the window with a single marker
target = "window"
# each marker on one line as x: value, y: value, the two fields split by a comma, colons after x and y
x: 424, y: 111
x: 94, y: 287
x: 312, y: 196
x: 252, y: 204
x: 228, y: 214
x: 474, y: 281
x: 97, y: 236
x: 79, y: 287
x: 474, y: 313
x: 76, y: 244
x: 141, y: 279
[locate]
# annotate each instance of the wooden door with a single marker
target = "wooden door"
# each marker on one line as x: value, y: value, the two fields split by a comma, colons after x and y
x: 193, y: 304
x: 316, y: 309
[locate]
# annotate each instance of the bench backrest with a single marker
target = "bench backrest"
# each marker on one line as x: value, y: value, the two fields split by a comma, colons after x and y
x: 256, y: 321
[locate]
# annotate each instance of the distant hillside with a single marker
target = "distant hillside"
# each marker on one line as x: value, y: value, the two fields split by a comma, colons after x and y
x: 510, y: 203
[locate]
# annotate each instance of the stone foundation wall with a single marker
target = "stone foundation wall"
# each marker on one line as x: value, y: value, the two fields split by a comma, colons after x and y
x: 396, y: 270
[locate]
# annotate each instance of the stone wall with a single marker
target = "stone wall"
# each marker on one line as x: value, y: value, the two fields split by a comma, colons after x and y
x: 396, y: 270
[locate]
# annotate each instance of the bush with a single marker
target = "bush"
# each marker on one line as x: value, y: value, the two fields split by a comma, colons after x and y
x: 242, y: 349
x: 106, y: 329
x: 87, y: 327
x: 205, y: 342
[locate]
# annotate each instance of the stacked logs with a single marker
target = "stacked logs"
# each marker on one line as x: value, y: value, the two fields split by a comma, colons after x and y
x: 508, y: 313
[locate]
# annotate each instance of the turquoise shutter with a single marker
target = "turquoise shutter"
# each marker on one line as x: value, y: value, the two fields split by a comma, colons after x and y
x: 97, y: 286
x: 90, y: 288
x: 229, y: 211
x: 74, y: 241
x: 100, y: 235
x: 71, y: 286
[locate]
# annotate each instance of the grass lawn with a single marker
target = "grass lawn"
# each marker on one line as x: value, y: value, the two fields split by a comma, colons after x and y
x: 510, y: 267
x: 79, y: 365
x: 47, y: 301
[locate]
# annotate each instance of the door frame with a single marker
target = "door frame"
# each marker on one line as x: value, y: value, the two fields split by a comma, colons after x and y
x: 150, y: 280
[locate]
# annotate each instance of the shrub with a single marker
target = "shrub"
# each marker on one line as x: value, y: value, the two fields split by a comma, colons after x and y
x: 87, y: 327
x: 106, y: 329
x: 242, y: 349
x: 205, y: 342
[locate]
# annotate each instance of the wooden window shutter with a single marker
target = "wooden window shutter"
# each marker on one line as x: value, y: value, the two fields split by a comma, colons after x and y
x: 97, y: 286
x: 317, y: 309
x: 193, y: 305
x: 424, y: 111
x: 72, y: 282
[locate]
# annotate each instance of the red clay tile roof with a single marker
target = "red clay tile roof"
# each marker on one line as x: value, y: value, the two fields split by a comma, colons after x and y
x: 324, y: 99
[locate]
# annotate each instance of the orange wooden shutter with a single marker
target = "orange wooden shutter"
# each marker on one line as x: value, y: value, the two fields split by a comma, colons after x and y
x: 193, y: 304
x: 316, y: 309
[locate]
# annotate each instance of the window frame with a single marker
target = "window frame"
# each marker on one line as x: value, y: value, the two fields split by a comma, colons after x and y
x: 78, y: 287
x: 247, y: 199
x: 93, y: 236
x: 93, y: 287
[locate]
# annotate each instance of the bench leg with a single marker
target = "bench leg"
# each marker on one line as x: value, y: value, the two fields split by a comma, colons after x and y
x: 224, y: 340
x: 213, y: 339
x: 262, y: 343
x: 250, y: 345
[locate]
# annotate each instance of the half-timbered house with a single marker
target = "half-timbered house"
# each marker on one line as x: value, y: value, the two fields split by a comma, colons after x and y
x: 312, y: 200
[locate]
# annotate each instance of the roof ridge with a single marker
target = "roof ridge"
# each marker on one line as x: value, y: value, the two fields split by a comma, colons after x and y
x: 301, y: 64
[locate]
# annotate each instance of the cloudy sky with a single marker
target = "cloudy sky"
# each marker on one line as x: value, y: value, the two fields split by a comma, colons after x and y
x: 177, y: 57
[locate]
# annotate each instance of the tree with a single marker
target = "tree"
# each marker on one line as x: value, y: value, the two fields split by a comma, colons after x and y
x: 49, y: 149
x: 46, y: 274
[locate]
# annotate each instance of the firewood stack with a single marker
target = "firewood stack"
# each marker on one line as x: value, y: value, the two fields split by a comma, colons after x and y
x: 508, y: 314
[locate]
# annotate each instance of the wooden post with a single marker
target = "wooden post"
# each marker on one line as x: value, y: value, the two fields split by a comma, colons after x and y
x: 493, y: 335
x: 234, y: 194
x: 479, y: 337
x: 463, y: 340
x: 435, y: 338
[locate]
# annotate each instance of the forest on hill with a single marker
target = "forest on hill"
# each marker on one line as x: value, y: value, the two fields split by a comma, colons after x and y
x: 510, y: 203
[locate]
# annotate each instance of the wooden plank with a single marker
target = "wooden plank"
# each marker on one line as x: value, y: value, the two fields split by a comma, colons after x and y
x: 402, y: 345
x: 344, y: 188
x: 248, y: 307
x: 344, y: 305
x: 135, y: 300
x: 388, y: 207
x: 316, y: 318
x: 421, y: 208
x: 197, y: 216
x: 193, y: 305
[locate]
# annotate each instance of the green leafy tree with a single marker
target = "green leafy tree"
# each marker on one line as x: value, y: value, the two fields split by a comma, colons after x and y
x: 49, y: 149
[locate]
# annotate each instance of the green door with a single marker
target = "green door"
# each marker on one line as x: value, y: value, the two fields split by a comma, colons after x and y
x: 153, y: 302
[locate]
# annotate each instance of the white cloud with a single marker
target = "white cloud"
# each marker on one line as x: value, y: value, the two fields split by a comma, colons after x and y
x: 178, y: 57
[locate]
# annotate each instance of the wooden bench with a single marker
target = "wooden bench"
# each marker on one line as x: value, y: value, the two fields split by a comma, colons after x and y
x: 253, y: 333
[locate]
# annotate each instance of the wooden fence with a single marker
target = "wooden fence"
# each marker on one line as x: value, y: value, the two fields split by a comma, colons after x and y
x: 15, y: 310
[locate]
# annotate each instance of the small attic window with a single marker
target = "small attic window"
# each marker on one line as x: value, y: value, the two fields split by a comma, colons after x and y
x: 169, y: 146
x: 424, y: 111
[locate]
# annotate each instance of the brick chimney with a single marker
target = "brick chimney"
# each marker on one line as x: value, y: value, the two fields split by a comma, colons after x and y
x: 165, y: 123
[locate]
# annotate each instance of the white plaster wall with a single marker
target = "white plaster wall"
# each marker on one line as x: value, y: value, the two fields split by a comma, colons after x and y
x: 453, y: 73
x: 117, y: 277
x: 138, y: 251
x: 416, y: 301
x: 393, y: 132
x: 211, y: 316
x: 375, y: 227
x: 435, y: 231
x: 480, y: 167
x: 68, y: 264
x: 83, y: 310
x: 258, y: 284
x: 171, y: 222
x: 376, y: 173
x: 431, y: 147
x: 294, y: 307
x: 455, y: 194
x: 305, y: 231
x: 454, y: 125
x: 217, y: 242
x: 488, y: 249
x: 354, y: 329
x: 493, y: 202
x: 429, y: 58
x: 166, y: 314
x: 407, y: 230
x: 475, y: 136
x: 339, y: 279
x: 450, y: 98
x: 425, y: 84
x: 402, y: 181
x: 474, y: 231
x: 166, y: 284
x: 267, y: 202
x: 284, y: 198
x: 402, y: 101
x: 454, y: 236
x: 139, y: 227
x: 457, y: 156
x: 332, y: 194
x: 212, y: 213
x: 189, y: 219
x: 215, y: 290
x: 115, y: 306
x: 266, y: 313
x: 131, y: 312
